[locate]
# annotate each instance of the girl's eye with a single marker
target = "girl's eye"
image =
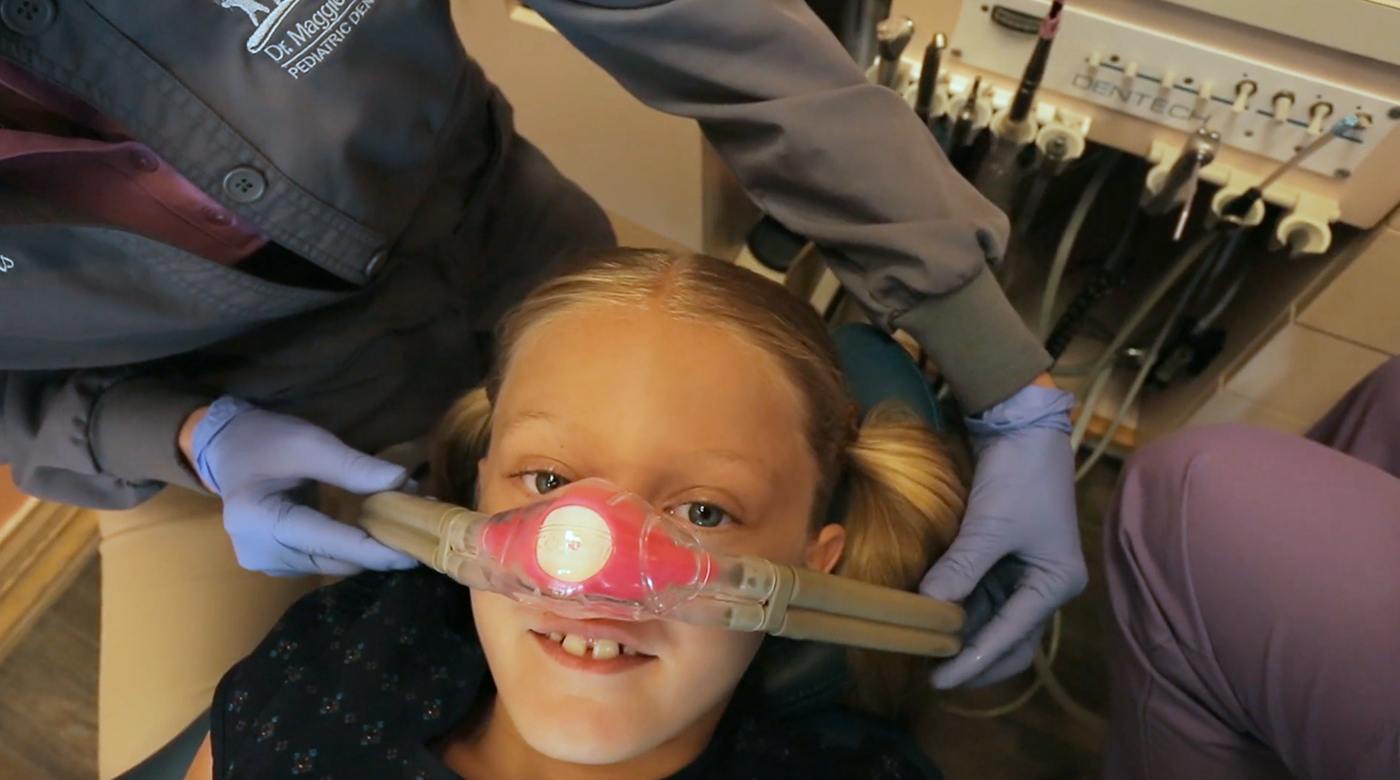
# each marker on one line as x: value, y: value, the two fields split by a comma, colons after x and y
x: 541, y: 482
x: 703, y: 514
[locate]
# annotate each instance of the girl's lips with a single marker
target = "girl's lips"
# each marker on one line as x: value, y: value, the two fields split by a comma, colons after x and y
x: 586, y: 663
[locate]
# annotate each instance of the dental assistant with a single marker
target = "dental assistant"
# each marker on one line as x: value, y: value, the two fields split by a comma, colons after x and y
x: 246, y: 241
x: 1254, y: 593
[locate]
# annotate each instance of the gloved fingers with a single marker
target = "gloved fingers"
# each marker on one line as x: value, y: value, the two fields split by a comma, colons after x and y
x: 283, y: 572
x: 322, y: 539
x: 332, y: 567
x: 1025, y: 612
x: 286, y: 562
x: 324, y: 458
x: 1016, y: 660
x: 990, y: 594
x: 266, y: 556
x: 976, y: 548
x: 979, y: 607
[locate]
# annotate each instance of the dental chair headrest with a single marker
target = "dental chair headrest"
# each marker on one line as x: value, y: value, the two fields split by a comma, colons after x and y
x: 797, y: 675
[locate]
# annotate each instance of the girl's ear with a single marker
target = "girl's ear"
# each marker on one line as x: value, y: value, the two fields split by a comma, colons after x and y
x: 824, y: 550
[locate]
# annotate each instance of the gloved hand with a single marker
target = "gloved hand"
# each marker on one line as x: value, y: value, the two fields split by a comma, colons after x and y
x: 1021, y: 520
x: 255, y: 459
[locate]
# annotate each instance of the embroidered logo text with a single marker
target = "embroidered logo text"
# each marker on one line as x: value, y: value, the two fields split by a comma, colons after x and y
x: 299, y: 35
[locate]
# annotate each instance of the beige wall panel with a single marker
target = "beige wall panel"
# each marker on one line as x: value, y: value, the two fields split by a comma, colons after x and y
x: 1363, y: 303
x: 646, y: 166
x: 1226, y: 406
x: 1301, y: 372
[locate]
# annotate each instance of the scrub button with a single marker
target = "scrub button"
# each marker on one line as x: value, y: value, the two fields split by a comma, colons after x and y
x: 376, y: 265
x: 244, y: 184
x: 27, y: 17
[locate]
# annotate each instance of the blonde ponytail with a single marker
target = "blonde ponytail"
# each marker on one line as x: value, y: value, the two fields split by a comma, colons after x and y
x: 904, y: 503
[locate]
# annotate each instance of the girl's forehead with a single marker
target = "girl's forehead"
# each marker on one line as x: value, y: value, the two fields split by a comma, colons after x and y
x: 638, y: 374
x: 604, y: 348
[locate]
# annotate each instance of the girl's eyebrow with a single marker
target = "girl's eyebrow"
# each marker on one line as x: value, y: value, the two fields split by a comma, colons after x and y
x: 732, y: 457
x: 528, y: 417
x: 725, y: 457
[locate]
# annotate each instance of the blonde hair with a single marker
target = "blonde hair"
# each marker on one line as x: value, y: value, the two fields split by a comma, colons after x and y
x: 903, y: 497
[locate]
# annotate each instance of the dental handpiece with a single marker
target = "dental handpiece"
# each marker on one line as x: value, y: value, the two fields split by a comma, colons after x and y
x: 928, y: 77
x: 892, y: 38
x: 1179, y: 187
x: 858, y: 19
x: 1198, y: 152
x: 966, y: 118
x: 593, y: 551
x: 1035, y: 67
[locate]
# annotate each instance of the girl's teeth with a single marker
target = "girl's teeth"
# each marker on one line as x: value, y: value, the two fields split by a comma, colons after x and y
x: 603, y: 649
x: 575, y: 645
x: 597, y: 649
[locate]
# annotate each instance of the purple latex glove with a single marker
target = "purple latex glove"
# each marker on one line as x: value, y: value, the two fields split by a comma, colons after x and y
x: 256, y: 460
x: 1017, y: 558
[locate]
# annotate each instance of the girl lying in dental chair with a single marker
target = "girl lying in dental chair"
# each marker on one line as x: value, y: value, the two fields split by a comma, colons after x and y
x: 716, y: 397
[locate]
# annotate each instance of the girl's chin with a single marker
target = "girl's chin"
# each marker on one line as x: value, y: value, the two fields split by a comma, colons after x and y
x: 586, y: 738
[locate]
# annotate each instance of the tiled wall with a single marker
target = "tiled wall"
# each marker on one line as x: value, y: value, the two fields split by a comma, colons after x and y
x: 1333, y: 339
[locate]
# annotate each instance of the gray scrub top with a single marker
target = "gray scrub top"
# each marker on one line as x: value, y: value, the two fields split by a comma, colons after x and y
x: 360, y: 137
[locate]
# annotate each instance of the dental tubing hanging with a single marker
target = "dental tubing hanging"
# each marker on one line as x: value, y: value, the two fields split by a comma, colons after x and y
x: 1223, y: 238
x: 1177, y: 190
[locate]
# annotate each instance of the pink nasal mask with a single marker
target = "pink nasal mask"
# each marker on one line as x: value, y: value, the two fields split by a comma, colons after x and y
x: 595, y: 551
x: 591, y: 550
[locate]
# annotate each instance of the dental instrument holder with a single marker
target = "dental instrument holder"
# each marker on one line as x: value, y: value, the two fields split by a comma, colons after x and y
x: 1177, y: 187
x: 1238, y: 208
x: 1060, y: 141
x: 750, y: 593
x: 999, y: 172
x: 970, y: 115
x: 1237, y: 211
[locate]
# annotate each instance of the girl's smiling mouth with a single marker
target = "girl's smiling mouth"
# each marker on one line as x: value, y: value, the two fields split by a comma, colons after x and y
x: 598, y: 655
x: 599, y: 646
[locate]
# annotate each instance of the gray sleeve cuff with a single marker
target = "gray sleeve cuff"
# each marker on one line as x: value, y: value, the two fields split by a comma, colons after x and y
x: 978, y: 341
x: 135, y: 429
